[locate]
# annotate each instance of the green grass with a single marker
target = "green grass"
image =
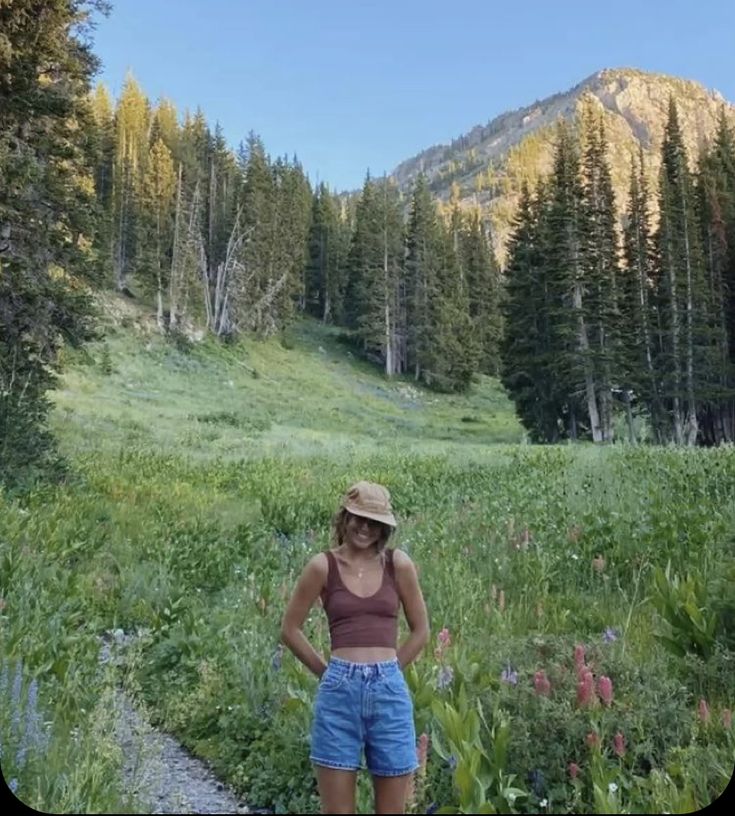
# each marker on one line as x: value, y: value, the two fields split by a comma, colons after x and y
x: 260, y: 397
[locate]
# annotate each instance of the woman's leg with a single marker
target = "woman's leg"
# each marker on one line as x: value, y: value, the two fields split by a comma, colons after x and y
x: 336, y: 789
x: 391, y: 793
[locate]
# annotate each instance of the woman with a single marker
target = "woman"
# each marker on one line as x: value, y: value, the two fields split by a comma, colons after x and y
x: 362, y: 702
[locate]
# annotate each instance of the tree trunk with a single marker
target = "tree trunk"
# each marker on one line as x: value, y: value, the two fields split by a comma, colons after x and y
x: 589, y: 383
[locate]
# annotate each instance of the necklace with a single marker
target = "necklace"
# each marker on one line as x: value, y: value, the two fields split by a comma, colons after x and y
x: 361, y: 569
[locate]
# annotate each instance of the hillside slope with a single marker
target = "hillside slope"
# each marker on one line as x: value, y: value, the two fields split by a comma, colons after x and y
x: 491, y: 161
x: 303, y: 394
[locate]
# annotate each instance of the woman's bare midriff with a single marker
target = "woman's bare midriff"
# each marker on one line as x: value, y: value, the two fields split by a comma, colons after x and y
x: 365, y: 654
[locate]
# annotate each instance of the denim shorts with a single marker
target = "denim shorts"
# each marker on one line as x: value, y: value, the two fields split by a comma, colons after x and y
x: 364, y: 706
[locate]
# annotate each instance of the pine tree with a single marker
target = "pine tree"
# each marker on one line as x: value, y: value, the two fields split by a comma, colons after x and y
x: 599, y: 251
x: 423, y: 254
x: 638, y: 354
x: 716, y: 206
x: 132, y: 122
x: 157, y: 213
x: 482, y: 276
x: 47, y: 214
x: 102, y: 151
x: 528, y: 347
x: 571, y: 312
x: 682, y: 294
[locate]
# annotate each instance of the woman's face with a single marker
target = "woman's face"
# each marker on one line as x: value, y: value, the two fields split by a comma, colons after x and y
x: 360, y: 532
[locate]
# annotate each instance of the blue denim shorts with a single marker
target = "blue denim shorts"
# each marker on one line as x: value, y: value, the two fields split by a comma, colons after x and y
x: 364, y: 706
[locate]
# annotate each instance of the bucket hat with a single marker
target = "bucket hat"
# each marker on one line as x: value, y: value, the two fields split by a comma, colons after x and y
x: 369, y: 500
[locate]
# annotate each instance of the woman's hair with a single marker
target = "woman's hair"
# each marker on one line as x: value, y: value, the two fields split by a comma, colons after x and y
x: 339, y: 523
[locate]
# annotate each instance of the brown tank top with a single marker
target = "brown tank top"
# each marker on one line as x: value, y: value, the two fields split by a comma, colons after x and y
x: 356, y: 621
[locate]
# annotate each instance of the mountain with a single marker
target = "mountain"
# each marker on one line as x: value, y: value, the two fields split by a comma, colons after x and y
x: 490, y: 162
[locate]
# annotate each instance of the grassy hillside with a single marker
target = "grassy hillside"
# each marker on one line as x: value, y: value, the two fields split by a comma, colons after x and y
x: 304, y: 393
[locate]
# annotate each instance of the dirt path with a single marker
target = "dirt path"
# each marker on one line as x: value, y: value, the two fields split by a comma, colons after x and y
x: 162, y: 775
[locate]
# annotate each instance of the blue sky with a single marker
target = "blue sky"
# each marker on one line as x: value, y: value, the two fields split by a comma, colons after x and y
x: 356, y: 84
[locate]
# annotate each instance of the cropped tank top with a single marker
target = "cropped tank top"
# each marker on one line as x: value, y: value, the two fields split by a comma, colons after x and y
x: 356, y: 621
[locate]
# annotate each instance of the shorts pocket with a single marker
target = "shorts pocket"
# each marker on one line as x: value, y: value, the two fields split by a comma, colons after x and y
x: 395, y: 684
x: 331, y: 681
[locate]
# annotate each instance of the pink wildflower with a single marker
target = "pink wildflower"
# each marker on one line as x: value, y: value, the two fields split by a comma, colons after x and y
x: 443, y: 641
x: 423, y: 752
x: 703, y: 711
x: 593, y: 739
x: 541, y: 683
x: 598, y: 563
x: 619, y: 744
x: 727, y: 718
x: 586, y: 690
x: 605, y: 687
x: 573, y: 770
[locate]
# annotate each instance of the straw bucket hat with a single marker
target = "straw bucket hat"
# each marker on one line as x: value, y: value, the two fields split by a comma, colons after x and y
x: 369, y: 500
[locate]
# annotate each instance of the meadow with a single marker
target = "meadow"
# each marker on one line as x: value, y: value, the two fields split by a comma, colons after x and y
x: 582, y: 600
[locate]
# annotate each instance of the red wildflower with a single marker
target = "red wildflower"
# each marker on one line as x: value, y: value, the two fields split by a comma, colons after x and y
x: 619, y: 744
x: 541, y: 683
x: 605, y: 687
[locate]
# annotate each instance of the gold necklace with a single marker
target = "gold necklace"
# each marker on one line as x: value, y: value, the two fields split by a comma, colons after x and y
x: 361, y: 569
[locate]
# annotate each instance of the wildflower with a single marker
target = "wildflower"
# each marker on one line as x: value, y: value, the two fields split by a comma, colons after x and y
x: 575, y: 557
x: 612, y: 787
x: 423, y: 752
x: 593, y: 739
x: 13, y: 785
x: 493, y: 592
x: 543, y: 803
x: 433, y: 807
x: 2, y: 604
x: 579, y: 657
x: 537, y: 782
x: 598, y: 563
x: 610, y: 635
x: 509, y: 676
x: 586, y: 690
x: 573, y: 769
x: 443, y: 641
x: 605, y: 687
x: 619, y: 744
x: 501, y: 600
x: 446, y: 675
x: 727, y: 718
x: 277, y: 657
x: 703, y: 711
x: 541, y: 683
x: 452, y: 761
x: 15, y: 697
x: 574, y: 532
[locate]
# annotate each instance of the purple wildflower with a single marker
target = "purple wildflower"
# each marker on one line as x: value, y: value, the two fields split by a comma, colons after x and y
x: 509, y: 676
x: 452, y: 761
x: 446, y: 675
x: 610, y: 635
x: 13, y: 785
x: 277, y: 657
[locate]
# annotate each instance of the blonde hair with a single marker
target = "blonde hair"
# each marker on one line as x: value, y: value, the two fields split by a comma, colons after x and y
x: 339, y: 523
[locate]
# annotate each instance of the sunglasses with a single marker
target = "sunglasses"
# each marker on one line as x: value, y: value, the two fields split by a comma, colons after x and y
x: 362, y: 520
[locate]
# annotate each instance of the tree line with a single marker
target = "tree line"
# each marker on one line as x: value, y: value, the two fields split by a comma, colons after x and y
x: 637, y: 319
x: 245, y: 242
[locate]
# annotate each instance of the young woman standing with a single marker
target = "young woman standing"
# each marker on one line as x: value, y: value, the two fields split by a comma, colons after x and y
x: 363, y: 702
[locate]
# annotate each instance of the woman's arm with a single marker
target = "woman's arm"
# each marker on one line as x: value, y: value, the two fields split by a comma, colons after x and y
x: 414, y: 607
x: 305, y: 593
